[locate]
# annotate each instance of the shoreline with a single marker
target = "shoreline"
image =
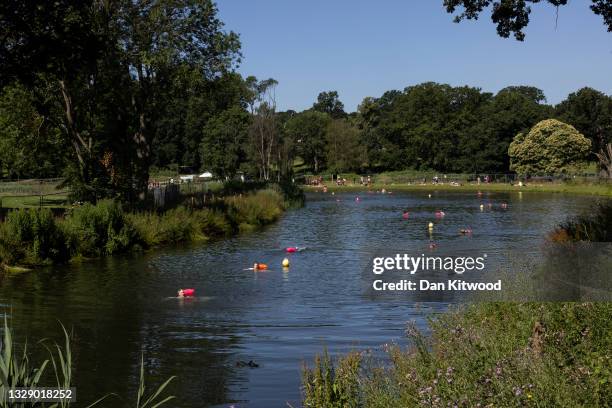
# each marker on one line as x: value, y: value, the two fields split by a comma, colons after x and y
x: 602, y: 190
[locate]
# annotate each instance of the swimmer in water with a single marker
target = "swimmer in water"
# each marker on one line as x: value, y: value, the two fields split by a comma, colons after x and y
x: 182, y: 293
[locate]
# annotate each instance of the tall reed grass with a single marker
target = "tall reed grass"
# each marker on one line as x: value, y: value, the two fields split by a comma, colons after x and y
x: 17, y: 370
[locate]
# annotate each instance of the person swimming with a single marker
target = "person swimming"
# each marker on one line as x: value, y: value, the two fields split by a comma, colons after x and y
x: 182, y: 293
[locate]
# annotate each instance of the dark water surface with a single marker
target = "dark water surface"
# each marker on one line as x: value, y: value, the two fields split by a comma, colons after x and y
x: 121, y: 307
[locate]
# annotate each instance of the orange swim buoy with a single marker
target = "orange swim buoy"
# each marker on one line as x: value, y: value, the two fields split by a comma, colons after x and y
x: 260, y: 266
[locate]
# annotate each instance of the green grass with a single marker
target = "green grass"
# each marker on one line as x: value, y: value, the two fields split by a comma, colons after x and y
x: 601, y: 189
x: 50, y: 201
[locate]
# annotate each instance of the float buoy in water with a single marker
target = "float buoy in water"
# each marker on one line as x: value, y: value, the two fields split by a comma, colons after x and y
x: 285, y: 263
x: 186, y: 292
x: 429, y: 195
x: 260, y: 266
x: 357, y: 199
x: 405, y: 215
x: 430, y: 225
x: 291, y: 249
x: 481, y: 207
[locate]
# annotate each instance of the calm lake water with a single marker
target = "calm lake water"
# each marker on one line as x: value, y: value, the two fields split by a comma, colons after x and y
x: 121, y: 307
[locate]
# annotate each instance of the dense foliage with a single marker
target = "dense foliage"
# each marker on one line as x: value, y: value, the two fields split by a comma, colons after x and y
x: 550, y: 147
x: 100, y: 92
x: 36, y: 237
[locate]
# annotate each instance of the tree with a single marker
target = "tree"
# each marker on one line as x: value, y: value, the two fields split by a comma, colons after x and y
x: 308, y: 129
x: 512, y: 16
x: 590, y: 112
x: 605, y: 160
x: 264, y: 132
x: 224, y: 142
x: 344, y: 149
x: 550, y: 147
x: 329, y: 102
x: 30, y: 146
x: 162, y: 41
x: 117, y: 77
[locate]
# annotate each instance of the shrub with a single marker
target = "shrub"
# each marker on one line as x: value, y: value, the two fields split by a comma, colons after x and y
x: 213, y: 223
x: 257, y: 209
x: 31, y: 236
x: 102, y: 229
x: 595, y: 226
x: 332, y: 385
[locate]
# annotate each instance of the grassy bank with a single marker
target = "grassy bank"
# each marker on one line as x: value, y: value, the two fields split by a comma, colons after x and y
x: 599, y: 189
x: 483, y: 355
x: 32, y: 237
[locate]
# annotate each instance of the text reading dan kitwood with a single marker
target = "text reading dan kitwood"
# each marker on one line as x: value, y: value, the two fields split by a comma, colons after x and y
x: 414, y: 264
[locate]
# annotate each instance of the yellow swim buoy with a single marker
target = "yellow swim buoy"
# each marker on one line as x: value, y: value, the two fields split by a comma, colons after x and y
x: 285, y: 263
x: 430, y: 226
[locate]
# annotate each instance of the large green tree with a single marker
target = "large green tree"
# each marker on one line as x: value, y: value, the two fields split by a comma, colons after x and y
x: 589, y: 111
x: 118, y: 77
x: 224, y: 142
x: 30, y: 145
x: 550, y: 147
x: 345, y: 151
x: 308, y: 129
x: 329, y: 102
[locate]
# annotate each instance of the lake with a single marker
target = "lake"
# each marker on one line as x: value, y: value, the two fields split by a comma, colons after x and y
x: 122, y: 307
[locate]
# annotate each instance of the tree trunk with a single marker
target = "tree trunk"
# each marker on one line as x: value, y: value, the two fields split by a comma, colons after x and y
x: 82, y: 147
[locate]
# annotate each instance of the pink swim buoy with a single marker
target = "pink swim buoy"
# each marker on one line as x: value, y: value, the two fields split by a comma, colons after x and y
x: 405, y: 215
x: 291, y: 249
x: 188, y: 292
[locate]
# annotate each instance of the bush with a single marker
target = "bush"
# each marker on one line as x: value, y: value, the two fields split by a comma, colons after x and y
x: 102, y: 229
x: 261, y: 208
x: 31, y: 236
x: 595, y: 226
x: 213, y: 223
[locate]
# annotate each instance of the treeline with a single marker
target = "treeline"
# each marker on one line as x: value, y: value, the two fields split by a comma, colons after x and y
x: 99, y: 93
x: 429, y: 126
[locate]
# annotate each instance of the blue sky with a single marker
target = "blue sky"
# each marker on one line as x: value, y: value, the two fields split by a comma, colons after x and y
x: 363, y: 48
